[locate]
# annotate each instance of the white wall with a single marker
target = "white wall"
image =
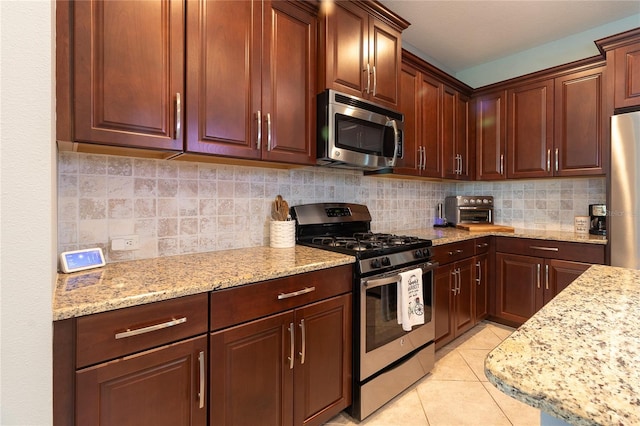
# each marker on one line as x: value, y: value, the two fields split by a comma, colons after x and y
x: 27, y: 211
x: 569, y: 49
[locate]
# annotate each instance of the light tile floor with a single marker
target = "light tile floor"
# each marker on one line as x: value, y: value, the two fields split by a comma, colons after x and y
x: 456, y: 392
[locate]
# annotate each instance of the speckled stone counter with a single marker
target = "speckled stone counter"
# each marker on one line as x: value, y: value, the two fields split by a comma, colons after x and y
x: 119, y: 285
x: 441, y: 236
x: 578, y: 358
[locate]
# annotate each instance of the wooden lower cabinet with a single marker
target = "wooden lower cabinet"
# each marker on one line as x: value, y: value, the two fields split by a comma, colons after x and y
x: 481, y: 286
x: 161, y: 386
x: 453, y: 300
x: 290, y: 368
x: 525, y: 284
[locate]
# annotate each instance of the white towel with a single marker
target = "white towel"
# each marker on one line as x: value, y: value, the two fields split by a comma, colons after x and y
x: 410, y: 302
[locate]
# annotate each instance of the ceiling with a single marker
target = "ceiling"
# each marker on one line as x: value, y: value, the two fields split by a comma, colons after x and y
x: 460, y: 34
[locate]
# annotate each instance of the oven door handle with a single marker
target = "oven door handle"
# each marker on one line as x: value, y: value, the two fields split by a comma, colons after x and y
x: 381, y: 281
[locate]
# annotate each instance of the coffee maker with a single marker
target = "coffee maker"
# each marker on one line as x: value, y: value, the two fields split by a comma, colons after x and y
x: 598, y: 216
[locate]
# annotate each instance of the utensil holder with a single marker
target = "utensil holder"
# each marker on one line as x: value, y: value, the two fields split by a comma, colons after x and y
x: 282, y: 233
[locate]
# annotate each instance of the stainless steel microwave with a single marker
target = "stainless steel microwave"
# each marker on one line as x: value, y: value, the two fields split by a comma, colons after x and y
x: 354, y: 133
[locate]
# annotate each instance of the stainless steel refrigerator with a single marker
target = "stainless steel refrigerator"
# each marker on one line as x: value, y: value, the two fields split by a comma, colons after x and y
x: 623, y: 215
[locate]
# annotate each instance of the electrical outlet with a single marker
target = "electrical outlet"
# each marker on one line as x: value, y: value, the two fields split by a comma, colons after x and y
x: 124, y: 243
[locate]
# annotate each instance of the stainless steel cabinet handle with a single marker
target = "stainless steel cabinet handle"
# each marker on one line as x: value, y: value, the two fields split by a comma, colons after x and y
x: 155, y: 327
x: 268, y: 131
x: 459, y: 251
x: 424, y: 162
x: 538, y: 275
x: 303, y: 351
x: 202, y: 379
x: 459, y: 281
x: 546, y: 277
x: 296, y: 293
x: 292, y: 345
x: 419, y: 159
x: 544, y: 248
x: 375, y: 81
x: 483, y: 245
x: 178, y: 121
x: 461, y: 163
x: 479, y: 272
x: 259, y: 141
x: 548, y: 160
x: 557, y: 159
x: 501, y: 164
x: 455, y: 281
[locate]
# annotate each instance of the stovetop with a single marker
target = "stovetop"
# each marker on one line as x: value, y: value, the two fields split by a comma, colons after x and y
x: 345, y: 228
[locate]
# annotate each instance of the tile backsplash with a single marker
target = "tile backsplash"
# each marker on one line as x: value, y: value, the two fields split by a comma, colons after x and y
x: 178, y: 207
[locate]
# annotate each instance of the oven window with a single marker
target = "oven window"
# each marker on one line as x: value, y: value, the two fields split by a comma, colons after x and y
x: 475, y: 216
x: 364, y: 136
x: 381, y: 312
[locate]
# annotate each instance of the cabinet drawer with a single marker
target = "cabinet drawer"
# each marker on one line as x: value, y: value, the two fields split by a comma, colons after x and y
x: 448, y: 253
x: 481, y: 245
x: 109, y: 335
x: 239, y: 304
x: 578, y: 252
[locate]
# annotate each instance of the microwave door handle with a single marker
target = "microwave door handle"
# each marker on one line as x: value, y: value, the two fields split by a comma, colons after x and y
x: 396, y: 138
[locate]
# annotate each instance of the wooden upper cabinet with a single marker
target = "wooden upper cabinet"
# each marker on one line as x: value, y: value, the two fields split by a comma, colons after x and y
x: 430, y: 100
x: 580, y: 123
x: 128, y: 73
x: 411, y: 161
x: 627, y: 76
x: 457, y: 160
x: 361, y: 51
x: 491, y: 137
x: 623, y: 68
x: 251, y: 80
x: 530, y: 130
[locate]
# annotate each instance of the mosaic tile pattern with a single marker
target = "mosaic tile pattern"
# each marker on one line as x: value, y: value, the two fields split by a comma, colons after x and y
x: 179, y: 207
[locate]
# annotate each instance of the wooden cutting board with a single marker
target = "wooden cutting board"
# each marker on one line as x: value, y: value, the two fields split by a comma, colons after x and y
x: 484, y: 227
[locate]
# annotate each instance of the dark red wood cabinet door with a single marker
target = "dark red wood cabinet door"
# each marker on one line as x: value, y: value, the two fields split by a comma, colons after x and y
x: 627, y: 76
x: 224, y: 40
x: 346, y: 45
x: 442, y: 304
x: 323, y: 360
x: 412, y: 148
x: 463, y: 318
x: 449, y: 147
x: 430, y: 98
x: 385, y: 55
x: 491, y: 136
x: 580, y: 125
x: 481, y: 283
x: 129, y: 73
x: 561, y: 273
x: 530, y: 130
x: 251, y: 378
x: 289, y: 84
x: 518, y: 280
x: 156, y: 387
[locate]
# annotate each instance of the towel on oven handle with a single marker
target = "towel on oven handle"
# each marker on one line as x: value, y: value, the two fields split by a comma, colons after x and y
x: 410, y: 304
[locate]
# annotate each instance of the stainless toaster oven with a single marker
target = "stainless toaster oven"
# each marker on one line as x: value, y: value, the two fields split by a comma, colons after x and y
x: 468, y: 209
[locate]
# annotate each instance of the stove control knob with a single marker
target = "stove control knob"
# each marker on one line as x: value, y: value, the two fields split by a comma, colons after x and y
x: 386, y: 261
x: 375, y: 263
x: 419, y: 254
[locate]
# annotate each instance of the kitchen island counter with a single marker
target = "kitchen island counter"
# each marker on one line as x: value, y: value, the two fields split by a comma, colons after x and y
x: 578, y: 358
x: 124, y: 284
x: 449, y: 235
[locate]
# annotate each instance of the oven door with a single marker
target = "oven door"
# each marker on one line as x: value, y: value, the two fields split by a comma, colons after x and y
x: 382, y: 339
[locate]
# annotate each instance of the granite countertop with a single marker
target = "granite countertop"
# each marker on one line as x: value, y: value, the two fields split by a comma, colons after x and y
x: 119, y: 285
x: 441, y: 236
x: 578, y: 358
x: 124, y: 284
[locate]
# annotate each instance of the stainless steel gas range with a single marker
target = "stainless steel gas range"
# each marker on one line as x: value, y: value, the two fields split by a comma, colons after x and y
x: 387, y: 359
